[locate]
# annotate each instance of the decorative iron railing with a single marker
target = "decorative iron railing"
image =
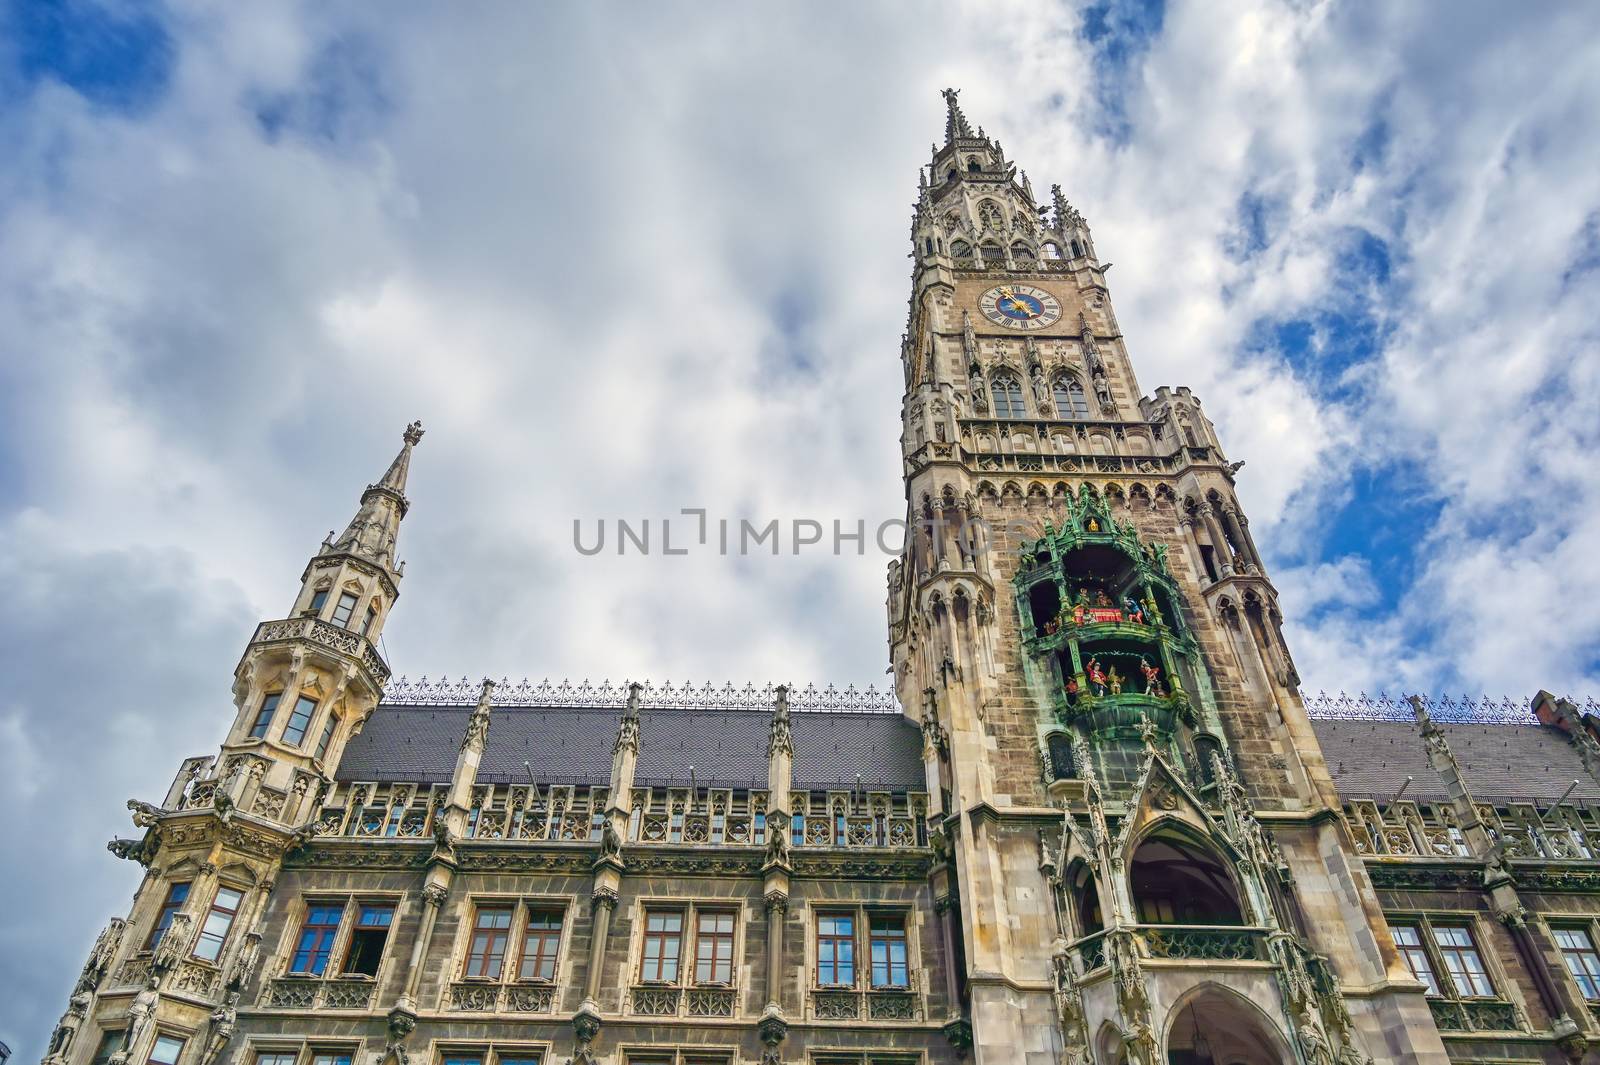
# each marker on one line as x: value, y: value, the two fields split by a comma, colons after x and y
x: 1470, y: 710
x: 687, y: 696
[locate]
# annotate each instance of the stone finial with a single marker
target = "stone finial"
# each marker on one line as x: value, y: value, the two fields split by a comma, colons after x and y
x: 955, y: 124
x: 413, y: 434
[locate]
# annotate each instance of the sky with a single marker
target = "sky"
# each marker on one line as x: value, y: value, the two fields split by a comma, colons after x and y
x: 623, y: 260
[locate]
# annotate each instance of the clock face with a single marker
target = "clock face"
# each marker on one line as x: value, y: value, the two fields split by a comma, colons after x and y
x: 1020, y: 307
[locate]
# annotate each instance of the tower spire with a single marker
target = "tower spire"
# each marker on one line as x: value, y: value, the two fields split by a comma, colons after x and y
x: 955, y: 123
x: 371, y: 534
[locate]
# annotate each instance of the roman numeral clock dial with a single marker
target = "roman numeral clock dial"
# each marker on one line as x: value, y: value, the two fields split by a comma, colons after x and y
x: 1020, y: 307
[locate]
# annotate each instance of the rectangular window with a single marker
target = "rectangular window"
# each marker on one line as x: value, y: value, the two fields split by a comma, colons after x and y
x: 487, y: 954
x: 521, y: 1058
x: 318, y: 598
x: 166, y: 1050
x: 368, y: 939
x: 541, y: 941
x: 294, y: 733
x: 275, y: 1057
x: 663, y: 932
x: 269, y: 707
x: 887, y: 942
x: 327, y: 736
x: 372, y: 616
x: 110, y: 1043
x: 344, y: 610
x: 1462, y: 961
x: 463, y: 1059
x: 836, y: 949
x: 214, y: 933
x: 713, y: 948
x: 317, y: 934
x: 1409, y: 942
x: 176, y: 895
x: 330, y: 1057
x: 1577, y: 948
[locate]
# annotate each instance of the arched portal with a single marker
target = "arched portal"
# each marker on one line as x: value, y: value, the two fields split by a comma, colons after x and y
x: 1215, y: 1026
x: 1176, y: 880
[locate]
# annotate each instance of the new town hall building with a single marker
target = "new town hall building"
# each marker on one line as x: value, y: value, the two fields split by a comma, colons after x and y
x: 1093, y: 822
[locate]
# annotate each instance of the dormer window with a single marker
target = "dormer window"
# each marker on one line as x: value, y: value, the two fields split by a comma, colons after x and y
x: 345, y: 609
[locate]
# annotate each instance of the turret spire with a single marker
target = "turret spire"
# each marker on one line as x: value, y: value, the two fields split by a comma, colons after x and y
x: 372, y: 532
x: 955, y: 124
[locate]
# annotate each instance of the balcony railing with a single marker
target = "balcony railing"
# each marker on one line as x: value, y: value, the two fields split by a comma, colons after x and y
x: 310, y: 992
x: 474, y: 997
x: 884, y: 1003
x: 317, y: 631
x: 1474, y: 1015
x: 1568, y: 833
x: 1194, y: 943
x: 655, y: 1000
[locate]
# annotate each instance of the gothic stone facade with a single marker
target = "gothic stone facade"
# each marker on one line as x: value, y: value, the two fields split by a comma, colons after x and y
x: 1094, y: 823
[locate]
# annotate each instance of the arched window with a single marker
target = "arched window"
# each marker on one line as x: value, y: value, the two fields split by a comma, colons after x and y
x: 1021, y: 252
x: 1061, y: 765
x: 960, y: 249
x: 1052, y: 250
x: 1070, y: 400
x: 973, y: 165
x: 928, y: 242
x: 1085, y: 901
x: 1077, y: 250
x: 1007, y: 393
x: 992, y: 253
x: 1175, y: 881
x: 950, y: 175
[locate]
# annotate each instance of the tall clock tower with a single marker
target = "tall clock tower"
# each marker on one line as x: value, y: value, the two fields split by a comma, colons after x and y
x: 1141, y: 850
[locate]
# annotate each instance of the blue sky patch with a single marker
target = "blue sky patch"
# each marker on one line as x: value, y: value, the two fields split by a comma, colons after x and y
x: 114, y: 56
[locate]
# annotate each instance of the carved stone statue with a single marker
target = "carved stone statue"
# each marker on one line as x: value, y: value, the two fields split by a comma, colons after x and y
x: 778, y: 843
x: 610, y: 841
x: 980, y: 394
x: 1312, y: 1040
x: 224, y: 1019
x: 141, y: 1013
x: 67, y: 1028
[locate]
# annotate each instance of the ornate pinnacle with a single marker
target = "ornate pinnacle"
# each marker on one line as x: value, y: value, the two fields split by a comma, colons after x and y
x: 955, y: 124
x: 413, y: 433
x: 1066, y: 215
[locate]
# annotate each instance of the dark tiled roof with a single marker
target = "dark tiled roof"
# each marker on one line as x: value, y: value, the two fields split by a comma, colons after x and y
x: 573, y: 746
x: 1371, y: 759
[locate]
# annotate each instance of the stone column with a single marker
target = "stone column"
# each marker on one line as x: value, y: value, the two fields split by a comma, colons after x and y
x: 1220, y: 552
x: 1230, y: 518
x: 773, y: 1025
x: 932, y: 735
